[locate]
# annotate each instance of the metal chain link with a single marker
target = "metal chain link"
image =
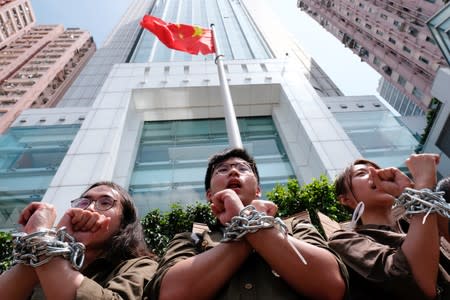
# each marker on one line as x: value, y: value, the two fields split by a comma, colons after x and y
x: 250, y: 220
x: 423, y: 201
x: 38, y: 248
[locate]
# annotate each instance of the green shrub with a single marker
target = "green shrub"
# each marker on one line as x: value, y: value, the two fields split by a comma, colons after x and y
x: 5, y: 251
x: 316, y: 196
x: 159, y: 228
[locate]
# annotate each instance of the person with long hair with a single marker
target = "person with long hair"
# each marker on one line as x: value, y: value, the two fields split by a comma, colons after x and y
x: 382, y: 261
x: 97, y: 251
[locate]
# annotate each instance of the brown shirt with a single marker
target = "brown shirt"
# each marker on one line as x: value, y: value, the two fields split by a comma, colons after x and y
x: 103, y: 281
x: 377, y: 266
x: 253, y: 280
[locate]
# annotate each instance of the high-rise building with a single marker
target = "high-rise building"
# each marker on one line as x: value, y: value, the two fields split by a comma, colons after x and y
x: 438, y: 140
x: 16, y: 16
x: 38, y: 67
x: 391, y: 36
x: 152, y: 116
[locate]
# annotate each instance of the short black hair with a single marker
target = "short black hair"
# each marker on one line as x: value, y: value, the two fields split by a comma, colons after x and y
x: 225, y: 155
x: 444, y: 186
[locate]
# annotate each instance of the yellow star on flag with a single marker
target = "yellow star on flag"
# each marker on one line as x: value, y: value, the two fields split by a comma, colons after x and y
x: 198, y: 31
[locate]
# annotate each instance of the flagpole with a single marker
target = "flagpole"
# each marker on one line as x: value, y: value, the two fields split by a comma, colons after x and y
x: 234, y: 136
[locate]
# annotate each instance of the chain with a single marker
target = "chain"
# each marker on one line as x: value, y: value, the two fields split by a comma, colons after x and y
x: 250, y: 220
x: 423, y: 201
x: 38, y: 248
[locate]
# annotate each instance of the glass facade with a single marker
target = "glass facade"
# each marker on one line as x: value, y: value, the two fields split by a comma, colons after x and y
x: 172, y: 159
x: 378, y: 136
x: 237, y: 35
x: 29, y: 158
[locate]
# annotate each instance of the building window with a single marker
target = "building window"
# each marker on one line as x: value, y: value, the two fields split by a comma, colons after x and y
x: 30, y: 157
x: 379, y: 32
x: 376, y: 61
x: 391, y: 40
x: 387, y: 70
x: 383, y: 16
x: 430, y: 40
x: 413, y: 31
x: 406, y: 49
x: 172, y: 157
x: 443, y: 141
x: 424, y: 60
x: 401, y: 80
x: 417, y: 93
x: 368, y: 26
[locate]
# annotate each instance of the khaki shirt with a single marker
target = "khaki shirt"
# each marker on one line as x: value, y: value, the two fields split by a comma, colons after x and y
x: 103, y: 281
x: 254, y: 279
x: 377, y: 266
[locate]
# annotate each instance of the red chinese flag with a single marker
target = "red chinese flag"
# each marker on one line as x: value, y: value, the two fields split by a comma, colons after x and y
x: 188, y: 38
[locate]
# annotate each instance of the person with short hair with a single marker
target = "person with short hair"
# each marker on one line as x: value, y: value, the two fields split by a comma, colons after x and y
x: 106, y: 256
x: 382, y: 261
x: 444, y: 223
x: 233, y: 261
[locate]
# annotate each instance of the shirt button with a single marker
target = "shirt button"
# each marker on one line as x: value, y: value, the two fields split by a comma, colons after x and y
x: 248, y: 286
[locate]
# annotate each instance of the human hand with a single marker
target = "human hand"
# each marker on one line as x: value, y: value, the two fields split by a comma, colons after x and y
x: 225, y: 205
x: 84, y: 224
x: 390, y: 180
x: 423, y: 169
x: 37, y: 215
x: 265, y: 206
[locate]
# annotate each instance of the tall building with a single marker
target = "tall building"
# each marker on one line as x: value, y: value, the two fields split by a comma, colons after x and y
x: 116, y: 49
x: 16, y: 17
x: 391, y: 36
x: 152, y: 116
x: 38, y: 66
x: 374, y: 130
x: 438, y: 140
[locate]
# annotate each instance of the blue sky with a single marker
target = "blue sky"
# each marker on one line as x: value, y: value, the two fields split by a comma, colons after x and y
x: 351, y: 75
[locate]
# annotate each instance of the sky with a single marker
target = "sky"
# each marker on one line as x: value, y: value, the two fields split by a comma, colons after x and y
x: 99, y: 17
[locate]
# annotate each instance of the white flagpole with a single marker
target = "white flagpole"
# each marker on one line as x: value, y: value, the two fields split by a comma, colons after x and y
x: 234, y: 136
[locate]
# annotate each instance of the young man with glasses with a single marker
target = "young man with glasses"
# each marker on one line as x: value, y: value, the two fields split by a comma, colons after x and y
x: 253, y: 258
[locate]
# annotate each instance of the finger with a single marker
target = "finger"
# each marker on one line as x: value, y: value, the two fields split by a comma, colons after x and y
x: 98, y: 223
x: 374, y: 179
x: 218, y: 201
x: 27, y: 212
x: 104, y: 223
x: 80, y: 220
x: 91, y: 221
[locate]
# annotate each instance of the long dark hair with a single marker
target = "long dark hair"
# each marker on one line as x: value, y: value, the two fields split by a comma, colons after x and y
x: 129, y: 241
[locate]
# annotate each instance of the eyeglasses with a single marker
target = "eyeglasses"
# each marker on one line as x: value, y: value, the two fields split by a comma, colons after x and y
x: 101, y: 204
x: 224, y: 168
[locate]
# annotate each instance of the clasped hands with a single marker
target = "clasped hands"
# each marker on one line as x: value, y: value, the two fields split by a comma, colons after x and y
x: 392, y: 181
x: 226, y: 204
x: 79, y: 223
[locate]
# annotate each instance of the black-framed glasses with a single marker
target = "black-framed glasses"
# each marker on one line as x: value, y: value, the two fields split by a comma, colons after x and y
x: 225, y: 168
x: 101, y: 204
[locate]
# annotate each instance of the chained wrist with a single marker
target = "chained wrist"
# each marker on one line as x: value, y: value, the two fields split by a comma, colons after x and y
x: 250, y: 220
x: 423, y: 201
x: 38, y: 248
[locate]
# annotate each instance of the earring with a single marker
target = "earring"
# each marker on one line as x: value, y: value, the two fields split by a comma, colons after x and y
x: 357, y: 213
